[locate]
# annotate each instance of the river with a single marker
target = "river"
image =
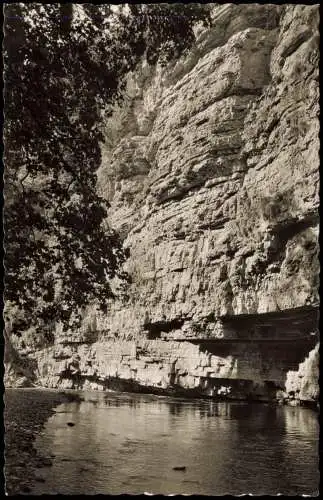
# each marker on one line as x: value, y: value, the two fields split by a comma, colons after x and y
x: 112, y: 443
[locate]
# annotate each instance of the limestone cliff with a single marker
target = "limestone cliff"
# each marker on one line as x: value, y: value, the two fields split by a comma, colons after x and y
x: 211, y: 167
x: 303, y: 384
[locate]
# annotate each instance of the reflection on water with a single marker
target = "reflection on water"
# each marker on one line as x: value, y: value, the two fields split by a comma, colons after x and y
x: 130, y: 443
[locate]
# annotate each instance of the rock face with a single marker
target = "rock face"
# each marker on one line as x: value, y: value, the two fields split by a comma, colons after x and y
x: 212, y: 171
x: 302, y: 385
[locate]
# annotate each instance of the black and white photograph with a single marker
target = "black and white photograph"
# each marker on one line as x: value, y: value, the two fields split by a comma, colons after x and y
x: 161, y: 249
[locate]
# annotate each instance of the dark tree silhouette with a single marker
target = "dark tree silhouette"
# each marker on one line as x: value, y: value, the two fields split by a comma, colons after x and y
x: 64, y: 64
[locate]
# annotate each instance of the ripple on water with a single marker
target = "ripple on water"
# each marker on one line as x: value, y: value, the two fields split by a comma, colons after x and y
x: 120, y: 445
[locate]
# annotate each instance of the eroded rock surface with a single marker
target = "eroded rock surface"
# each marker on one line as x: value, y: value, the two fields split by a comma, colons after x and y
x: 218, y: 199
x: 303, y: 384
x: 212, y: 171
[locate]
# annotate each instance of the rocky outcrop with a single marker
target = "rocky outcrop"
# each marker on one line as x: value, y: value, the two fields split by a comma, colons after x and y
x: 19, y: 369
x: 234, y: 370
x: 303, y: 384
x: 211, y: 169
x: 218, y: 197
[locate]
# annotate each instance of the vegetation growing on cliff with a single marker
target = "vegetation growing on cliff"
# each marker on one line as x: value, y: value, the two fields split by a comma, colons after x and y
x: 65, y: 66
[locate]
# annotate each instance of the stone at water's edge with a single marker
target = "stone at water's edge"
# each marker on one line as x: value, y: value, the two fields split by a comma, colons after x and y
x: 212, y: 172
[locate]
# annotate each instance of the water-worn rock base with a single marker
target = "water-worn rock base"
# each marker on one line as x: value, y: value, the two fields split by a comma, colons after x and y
x: 230, y: 370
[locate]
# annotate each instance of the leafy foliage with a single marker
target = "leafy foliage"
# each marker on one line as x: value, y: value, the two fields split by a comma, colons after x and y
x: 64, y: 65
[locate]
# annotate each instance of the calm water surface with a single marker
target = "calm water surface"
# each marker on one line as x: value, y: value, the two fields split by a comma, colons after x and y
x: 130, y: 443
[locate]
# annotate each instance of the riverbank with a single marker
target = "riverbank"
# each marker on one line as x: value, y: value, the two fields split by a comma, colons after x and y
x: 21, y: 428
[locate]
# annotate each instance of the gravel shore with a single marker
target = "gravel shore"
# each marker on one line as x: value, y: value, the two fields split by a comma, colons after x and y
x: 26, y: 412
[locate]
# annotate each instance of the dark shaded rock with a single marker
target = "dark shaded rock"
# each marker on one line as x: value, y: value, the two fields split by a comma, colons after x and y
x: 26, y: 489
x: 39, y: 479
x: 46, y: 462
